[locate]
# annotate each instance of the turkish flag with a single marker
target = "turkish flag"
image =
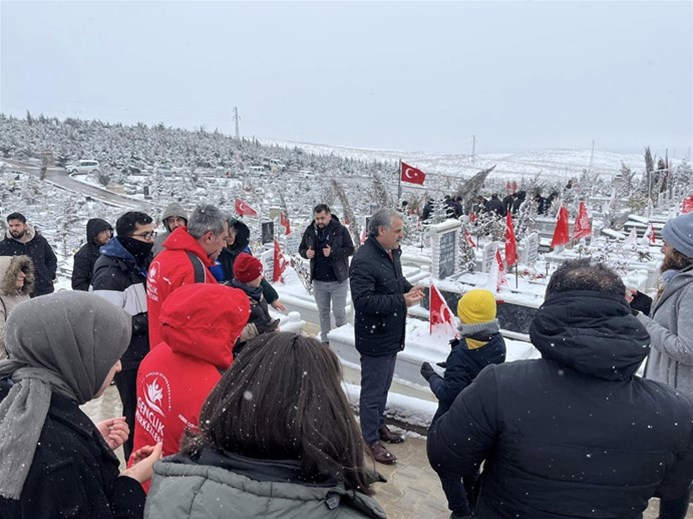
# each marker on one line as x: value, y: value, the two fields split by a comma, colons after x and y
x: 687, y: 204
x: 284, y: 222
x: 440, y: 313
x: 514, y: 186
x: 510, y: 243
x: 279, y: 263
x: 500, y: 280
x: 412, y: 175
x: 561, y: 233
x: 244, y: 209
x: 508, y: 187
x: 473, y: 217
x: 469, y: 239
x: 583, y: 225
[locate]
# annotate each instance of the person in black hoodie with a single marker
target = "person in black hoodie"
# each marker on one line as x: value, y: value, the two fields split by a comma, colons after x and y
x: 478, y: 345
x: 575, y: 433
x: 238, y: 243
x: 119, y: 276
x: 99, y: 233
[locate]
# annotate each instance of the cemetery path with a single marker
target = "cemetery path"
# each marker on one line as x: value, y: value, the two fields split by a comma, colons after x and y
x: 60, y: 178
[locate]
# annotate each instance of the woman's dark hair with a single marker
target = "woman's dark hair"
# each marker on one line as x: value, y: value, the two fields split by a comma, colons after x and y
x: 282, y: 399
x: 583, y: 274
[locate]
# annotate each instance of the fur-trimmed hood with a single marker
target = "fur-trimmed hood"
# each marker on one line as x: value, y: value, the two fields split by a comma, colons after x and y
x: 9, y: 268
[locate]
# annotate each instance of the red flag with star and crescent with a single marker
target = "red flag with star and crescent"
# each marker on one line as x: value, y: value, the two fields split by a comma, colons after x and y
x: 279, y: 263
x: 510, y: 242
x: 561, y: 234
x: 687, y: 204
x: 412, y: 175
x: 243, y: 209
x: 284, y: 222
x: 583, y: 225
x: 440, y: 319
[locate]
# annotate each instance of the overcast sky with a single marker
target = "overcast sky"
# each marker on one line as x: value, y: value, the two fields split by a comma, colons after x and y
x: 415, y: 76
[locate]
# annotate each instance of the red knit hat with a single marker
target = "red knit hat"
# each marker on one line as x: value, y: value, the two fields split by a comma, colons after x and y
x: 246, y: 268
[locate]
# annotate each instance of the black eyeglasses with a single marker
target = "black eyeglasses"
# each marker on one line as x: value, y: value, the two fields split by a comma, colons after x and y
x: 146, y: 235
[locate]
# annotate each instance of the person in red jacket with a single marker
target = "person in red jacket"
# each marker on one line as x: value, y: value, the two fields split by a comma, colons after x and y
x: 200, y: 323
x: 187, y: 255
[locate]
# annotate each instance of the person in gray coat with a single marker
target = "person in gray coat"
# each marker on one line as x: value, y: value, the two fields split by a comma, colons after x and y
x: 670, y: 323
x: 174, y: 216
x: 277, y: 438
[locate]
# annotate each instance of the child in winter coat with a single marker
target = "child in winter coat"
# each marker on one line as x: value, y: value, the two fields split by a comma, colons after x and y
x: 247, y: 275
x: 478, y: 345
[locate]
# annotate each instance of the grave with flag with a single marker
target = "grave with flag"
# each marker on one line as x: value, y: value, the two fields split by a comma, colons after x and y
x: 510, y: 242
x: 284, y: 222
x: 243, y: 209
x: 441, y: 317
x: 279, y: 263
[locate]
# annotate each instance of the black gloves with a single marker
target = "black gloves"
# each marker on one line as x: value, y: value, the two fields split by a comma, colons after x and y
x: 427, y: 371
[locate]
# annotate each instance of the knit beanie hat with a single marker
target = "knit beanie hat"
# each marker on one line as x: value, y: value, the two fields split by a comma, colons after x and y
x: 477, y: 306
x: 246, y: 268
x: 678, y: 232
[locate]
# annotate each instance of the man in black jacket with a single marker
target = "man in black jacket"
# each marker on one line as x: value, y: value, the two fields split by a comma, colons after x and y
x: 328, y: 245
x: 99, y: 233
x: 119, y: 276
x: 575, y: 433
x: 23, y: 240
x: 381, y: 296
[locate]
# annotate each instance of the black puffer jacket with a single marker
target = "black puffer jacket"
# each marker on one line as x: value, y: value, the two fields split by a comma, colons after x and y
x: 377, y: 290
x: 73, y: 473
x: 338, y: 238
x: 86, y: 256
x: 116, y: 276
x: 574, y: 434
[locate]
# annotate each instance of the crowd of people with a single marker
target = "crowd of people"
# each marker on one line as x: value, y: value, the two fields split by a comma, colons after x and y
x: 224, y: 415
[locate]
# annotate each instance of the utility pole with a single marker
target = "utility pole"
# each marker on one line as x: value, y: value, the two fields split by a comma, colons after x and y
x: 592, y: 157
x: 236, y: 120
x: 473, y: 147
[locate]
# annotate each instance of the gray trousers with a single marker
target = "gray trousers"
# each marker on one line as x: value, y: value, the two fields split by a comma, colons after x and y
x: 334, y: 292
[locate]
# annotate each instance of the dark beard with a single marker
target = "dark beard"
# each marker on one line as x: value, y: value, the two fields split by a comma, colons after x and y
x: 18, y: 236
x: 675, y: 261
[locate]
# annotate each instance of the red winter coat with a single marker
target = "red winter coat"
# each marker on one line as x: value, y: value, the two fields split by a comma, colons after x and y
x: 201, y: 324
x: 171, y: 269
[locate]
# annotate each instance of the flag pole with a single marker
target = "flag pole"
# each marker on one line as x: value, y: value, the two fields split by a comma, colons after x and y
x: 399, y: 185
x: 517, y: 276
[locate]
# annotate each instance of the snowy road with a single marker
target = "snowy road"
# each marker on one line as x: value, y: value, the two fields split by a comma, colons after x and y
x: 60, y: 178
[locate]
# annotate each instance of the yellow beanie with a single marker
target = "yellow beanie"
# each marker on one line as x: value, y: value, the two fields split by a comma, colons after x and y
x: 477, y: 306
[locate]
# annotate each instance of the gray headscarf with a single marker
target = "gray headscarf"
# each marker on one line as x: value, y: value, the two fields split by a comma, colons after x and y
x: 65, y: 342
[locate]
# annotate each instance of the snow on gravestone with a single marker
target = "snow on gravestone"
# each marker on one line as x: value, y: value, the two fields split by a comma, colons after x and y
x: 530, y: 249
x: 291, y: 244
x: 267, y: 260
x: 444, y: 238
x: 489, y: 256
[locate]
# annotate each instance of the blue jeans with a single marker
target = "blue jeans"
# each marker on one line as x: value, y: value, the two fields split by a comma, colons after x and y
x: 376, y: 378
x: 336, y: 293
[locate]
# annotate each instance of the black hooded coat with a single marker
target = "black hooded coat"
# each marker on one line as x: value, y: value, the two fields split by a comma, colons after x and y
x: 576, y: 433
x: 86, y: 256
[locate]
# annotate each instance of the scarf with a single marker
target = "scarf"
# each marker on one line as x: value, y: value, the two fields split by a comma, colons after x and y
x: 65, y: 342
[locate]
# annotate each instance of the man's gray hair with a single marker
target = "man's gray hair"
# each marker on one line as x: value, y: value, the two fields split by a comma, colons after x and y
x: 381, y: 218
x: 206, y: 218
